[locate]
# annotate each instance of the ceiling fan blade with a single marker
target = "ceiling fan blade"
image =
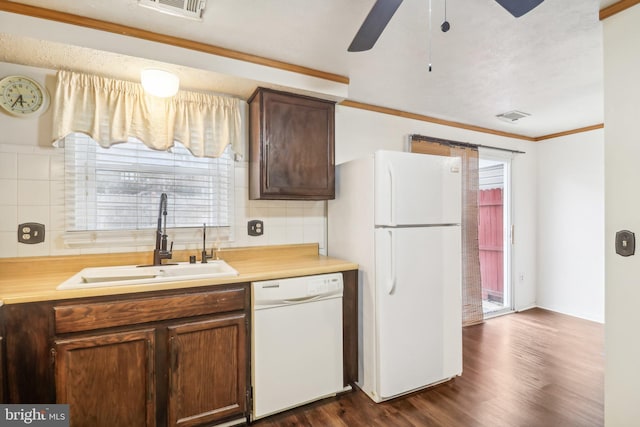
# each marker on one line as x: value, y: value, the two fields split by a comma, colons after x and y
x: 519, y: 7
x: 374, y: 25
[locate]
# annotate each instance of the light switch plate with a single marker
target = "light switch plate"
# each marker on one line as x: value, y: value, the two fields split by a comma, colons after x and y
x: 625, y: 243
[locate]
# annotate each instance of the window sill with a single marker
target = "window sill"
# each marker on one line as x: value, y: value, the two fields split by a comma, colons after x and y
x: 124, y: 240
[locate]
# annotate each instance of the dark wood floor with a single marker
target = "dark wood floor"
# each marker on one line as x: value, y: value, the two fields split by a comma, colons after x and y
x: 529, y: 369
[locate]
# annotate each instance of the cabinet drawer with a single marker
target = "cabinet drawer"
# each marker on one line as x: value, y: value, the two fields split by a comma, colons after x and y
x: 86, y: 317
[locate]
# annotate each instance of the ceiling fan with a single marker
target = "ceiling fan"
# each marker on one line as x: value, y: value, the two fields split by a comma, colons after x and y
x: 382, y: 11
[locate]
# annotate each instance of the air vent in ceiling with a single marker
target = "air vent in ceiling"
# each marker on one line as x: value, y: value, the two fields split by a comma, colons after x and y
x: 512, y: 116
x: 191, y: 9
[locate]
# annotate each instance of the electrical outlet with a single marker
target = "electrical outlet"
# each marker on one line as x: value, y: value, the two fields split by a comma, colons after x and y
x: 31, y: 233
x: 255, y: 228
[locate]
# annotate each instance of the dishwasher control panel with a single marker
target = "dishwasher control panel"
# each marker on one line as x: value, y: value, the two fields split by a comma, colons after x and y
x: 296, y: 289
x: 322, y: 285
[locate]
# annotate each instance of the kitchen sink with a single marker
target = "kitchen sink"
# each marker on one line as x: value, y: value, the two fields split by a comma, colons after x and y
x: 93, y: 277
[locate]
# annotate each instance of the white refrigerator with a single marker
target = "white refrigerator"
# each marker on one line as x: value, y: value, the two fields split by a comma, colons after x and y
x: 398, y: 215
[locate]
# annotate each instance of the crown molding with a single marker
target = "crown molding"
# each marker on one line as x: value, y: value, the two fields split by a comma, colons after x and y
x: 617, y: 8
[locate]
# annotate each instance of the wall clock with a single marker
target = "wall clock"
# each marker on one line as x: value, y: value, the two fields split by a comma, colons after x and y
x: 22, y: 96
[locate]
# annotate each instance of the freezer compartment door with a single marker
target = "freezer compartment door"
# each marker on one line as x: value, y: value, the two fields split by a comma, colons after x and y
x: 415, y: 189
x: 418, y: 316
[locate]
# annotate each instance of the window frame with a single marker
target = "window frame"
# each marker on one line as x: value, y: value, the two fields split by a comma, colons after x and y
x: 183, y: 237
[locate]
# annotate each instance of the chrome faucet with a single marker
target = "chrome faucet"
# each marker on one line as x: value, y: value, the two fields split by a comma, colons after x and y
x: 161, y: 252
x: 205, y: 255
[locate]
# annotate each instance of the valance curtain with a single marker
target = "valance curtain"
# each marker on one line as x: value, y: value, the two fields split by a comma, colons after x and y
x: 471, y: 279
x: 110, y: 111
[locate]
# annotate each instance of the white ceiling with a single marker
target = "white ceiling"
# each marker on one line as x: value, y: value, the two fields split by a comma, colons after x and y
x: 547, y: 63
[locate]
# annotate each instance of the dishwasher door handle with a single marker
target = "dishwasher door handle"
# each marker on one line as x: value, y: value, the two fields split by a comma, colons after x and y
x: 301, y: 299
x: 271, y: 303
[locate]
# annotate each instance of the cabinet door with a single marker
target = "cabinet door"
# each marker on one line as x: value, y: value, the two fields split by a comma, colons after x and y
x: 207, y: 370
x: 2, y: 370
x: 107, y: 380
x: 295, y: 147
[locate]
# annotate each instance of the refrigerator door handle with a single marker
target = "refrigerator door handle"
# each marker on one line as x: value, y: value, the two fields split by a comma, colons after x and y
x: 392, y: 198
x: 392, y: 259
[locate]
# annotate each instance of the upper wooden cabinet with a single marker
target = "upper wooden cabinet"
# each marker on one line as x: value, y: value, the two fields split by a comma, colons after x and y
x: 291, y: 150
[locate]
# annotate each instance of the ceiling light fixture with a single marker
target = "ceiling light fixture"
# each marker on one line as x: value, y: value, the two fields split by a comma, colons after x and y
x: 160, y: 83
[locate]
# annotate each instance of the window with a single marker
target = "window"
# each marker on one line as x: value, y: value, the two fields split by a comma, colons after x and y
x: 119, y: 188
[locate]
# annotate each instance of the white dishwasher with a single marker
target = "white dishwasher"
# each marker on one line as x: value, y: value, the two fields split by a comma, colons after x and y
x: 296, y: 352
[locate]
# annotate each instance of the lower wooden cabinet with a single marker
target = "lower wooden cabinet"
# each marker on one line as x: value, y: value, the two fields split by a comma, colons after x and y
x: 162, y: 359
x: 108, y: 379
x: 2, y: 368
x: 207, y: 372
x: 111, y: 379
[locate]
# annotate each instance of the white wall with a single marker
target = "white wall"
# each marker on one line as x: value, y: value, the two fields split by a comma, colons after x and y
x: 622, y: 211
x: 571, y: 225
x: 360, y: 132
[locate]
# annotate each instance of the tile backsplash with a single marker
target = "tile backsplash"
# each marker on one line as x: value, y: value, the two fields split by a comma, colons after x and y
x: 32, y: 190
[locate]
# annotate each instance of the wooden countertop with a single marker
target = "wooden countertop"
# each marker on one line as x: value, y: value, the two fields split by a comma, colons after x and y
x: 35, y: 279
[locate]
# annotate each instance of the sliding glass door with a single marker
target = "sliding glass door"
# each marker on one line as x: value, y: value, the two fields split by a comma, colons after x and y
x: 494, y: 232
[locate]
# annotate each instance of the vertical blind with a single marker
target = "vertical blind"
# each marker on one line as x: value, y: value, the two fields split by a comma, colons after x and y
x: 119, y: 188
x: 472, y: 312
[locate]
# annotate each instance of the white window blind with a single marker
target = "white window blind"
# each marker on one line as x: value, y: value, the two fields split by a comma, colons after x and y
x: 119, y: 188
